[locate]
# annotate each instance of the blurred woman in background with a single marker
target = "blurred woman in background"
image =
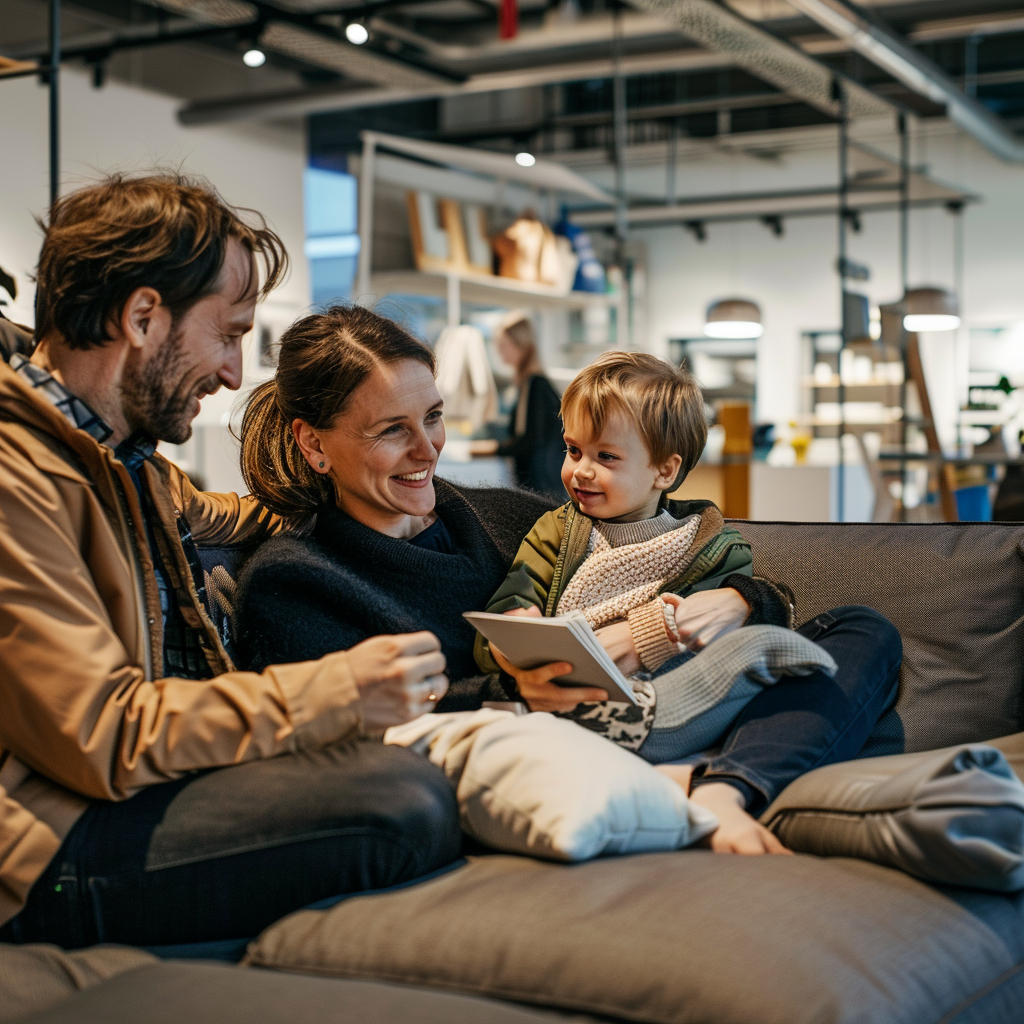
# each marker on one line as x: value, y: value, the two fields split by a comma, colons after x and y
x: 535, y: 442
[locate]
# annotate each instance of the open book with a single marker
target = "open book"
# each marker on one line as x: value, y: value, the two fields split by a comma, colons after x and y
x: 530, y: 643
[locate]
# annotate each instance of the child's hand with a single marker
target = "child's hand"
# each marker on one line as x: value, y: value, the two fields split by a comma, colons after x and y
x: 540, y: 694
x: 707, y: 615
x: 617, y: 640
x: 533, y: 612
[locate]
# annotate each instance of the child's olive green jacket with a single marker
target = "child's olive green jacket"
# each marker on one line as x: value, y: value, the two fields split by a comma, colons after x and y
x: 558, y: 544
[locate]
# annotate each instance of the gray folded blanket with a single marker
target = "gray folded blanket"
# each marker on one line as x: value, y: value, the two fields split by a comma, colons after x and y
x: 697, y: 701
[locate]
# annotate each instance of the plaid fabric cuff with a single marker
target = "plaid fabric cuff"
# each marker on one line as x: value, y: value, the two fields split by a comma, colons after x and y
x: 647, y: 624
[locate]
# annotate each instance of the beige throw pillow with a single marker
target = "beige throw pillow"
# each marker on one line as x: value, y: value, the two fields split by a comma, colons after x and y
x: 544, y: 786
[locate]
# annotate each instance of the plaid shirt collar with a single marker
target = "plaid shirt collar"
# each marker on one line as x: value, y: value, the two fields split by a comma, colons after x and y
x: 77, y: 413
x: 135, y: 450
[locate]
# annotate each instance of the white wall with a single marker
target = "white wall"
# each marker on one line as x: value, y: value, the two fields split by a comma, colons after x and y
x: 119, y: 128
x: 793, y: 278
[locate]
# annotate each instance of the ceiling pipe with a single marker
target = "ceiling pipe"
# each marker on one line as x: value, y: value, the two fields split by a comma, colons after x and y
x: 886, y: 49
x: 767, y: 57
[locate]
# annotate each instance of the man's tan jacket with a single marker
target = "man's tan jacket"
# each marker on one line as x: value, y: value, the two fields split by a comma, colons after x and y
x: 84, y: 714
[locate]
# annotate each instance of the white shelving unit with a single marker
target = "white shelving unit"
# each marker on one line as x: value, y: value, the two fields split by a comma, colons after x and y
x: 469, y: 171
x: 486, y: 289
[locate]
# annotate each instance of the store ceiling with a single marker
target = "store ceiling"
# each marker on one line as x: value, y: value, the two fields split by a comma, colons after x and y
x: 437, y: 69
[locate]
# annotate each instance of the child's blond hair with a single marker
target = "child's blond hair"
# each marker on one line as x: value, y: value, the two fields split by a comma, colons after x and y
x: 664, y: 401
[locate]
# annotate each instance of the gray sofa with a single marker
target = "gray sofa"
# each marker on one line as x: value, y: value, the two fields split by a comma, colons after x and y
x: 690, y: 937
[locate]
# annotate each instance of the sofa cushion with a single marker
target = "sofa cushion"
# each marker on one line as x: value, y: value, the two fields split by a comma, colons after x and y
x: 955, y: 592
x: 954, y: 815
x: 188, y: 993
x: 606, y: 800
x: 36, y: 976
x: 674, y: 938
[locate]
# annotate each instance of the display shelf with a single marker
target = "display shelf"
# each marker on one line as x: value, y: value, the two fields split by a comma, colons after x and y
x: 485, y: 289
x: 834, y: 382
x: 983, y: 417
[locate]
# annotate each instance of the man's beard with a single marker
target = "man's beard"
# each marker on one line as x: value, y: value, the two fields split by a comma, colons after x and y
x: 157, y: 397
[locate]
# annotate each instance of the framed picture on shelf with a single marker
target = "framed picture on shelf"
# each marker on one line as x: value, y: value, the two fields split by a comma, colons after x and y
x: 435, y: 228
x: 478, y: 241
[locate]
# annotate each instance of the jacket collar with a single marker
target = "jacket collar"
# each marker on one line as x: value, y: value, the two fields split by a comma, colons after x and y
x: 75, y: 411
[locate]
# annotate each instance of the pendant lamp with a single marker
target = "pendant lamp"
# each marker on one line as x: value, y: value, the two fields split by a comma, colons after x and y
x: 733, y: 318
x: 930, y: 309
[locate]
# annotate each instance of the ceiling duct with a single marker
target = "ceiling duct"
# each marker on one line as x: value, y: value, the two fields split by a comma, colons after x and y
x: 886, y: 49
x: 763, y: 55
x: 212, y: 12
x: 352, y: 61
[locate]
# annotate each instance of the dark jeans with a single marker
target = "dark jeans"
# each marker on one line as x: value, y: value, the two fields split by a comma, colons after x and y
x: 223, y: 854
x: 804, y: 722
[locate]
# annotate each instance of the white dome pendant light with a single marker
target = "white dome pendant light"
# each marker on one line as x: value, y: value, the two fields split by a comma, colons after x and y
x: 733, y: 318
x: 930, y: 309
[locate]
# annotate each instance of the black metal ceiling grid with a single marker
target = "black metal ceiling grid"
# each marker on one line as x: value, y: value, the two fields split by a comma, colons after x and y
x: 991, y: 65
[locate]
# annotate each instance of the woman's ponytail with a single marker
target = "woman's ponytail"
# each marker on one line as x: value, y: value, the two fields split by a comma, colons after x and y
x: 273, y: 466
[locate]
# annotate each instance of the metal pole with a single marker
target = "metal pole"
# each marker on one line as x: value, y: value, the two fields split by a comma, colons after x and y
x: 844, y: 188
x: 620, y: 137
x: 366, y: 183
x: 961, y: 340
x: 54, y: 100
x: 670, y: 168
x: 901, y: 126
x: 621, y: 210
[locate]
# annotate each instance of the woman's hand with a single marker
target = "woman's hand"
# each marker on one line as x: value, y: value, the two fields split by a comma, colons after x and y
x: 398, y: 678
x: 707, y: 615
x: 617, y: 640
x: 540, y: 694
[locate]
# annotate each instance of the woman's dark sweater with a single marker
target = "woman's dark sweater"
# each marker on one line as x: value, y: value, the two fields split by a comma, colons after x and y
x: 302, y: 598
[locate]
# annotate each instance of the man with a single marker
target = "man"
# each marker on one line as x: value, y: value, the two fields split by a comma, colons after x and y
x: 117, y: 696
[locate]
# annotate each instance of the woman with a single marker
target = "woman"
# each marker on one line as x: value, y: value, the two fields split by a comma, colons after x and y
x: 535, y: 444
x: 351, y: 429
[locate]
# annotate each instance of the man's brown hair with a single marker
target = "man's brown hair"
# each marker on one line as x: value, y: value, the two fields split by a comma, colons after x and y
x: 164, y: 231
x: 664, y: 401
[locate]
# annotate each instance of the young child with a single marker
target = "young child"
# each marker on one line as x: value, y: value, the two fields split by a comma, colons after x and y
x: 626, y: 557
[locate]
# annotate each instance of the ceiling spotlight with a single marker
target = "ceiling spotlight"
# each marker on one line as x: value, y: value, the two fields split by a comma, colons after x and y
x: 525, y: 159
x: 254, y: 58
x: 733, y: 318
x: 930, y: 309
x: 355, y: 32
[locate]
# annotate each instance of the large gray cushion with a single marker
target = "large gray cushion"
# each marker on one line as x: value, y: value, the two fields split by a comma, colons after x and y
x: 954, y: 815
x: 680, y: 938
x: 36, y: 976
x: 188, y: 993
x: 955, y: 591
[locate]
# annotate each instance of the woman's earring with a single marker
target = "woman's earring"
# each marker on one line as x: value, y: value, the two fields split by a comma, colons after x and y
x: 321, y: 463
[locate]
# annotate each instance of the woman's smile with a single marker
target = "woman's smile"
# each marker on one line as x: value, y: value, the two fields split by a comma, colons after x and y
x: 418, y: 479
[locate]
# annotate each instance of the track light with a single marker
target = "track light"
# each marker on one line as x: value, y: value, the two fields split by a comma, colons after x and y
x: 355, y: 32
x: 525, y: 159
x: 254, y: 58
